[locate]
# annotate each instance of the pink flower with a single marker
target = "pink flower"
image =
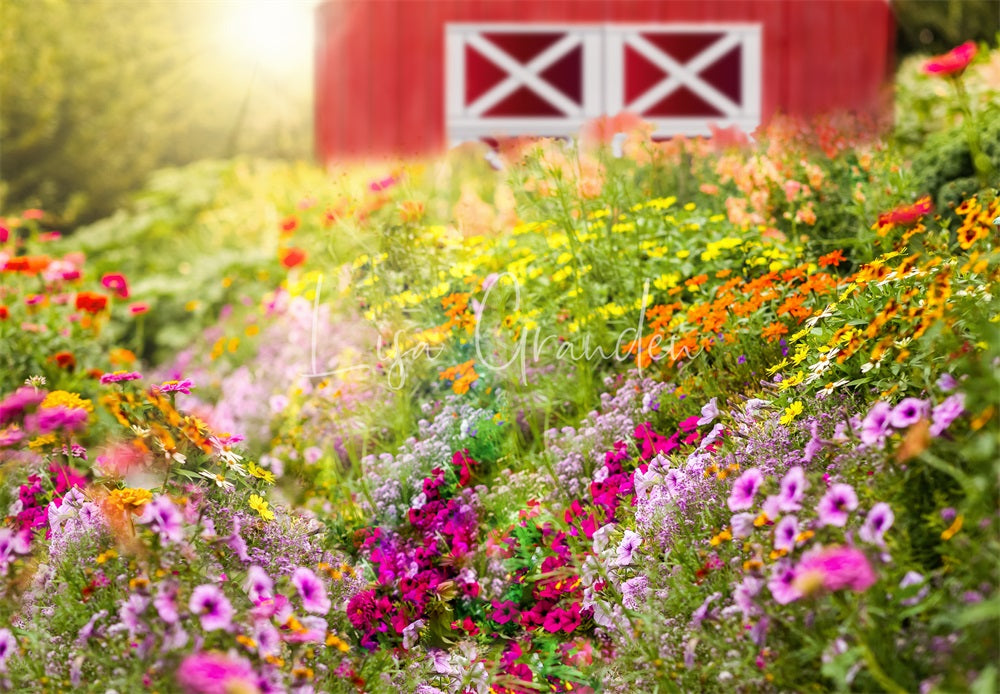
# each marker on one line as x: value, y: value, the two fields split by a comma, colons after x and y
x: 311, y: 590
x: 8, y: 646
x: 782, y: 583
x: 183, y: 387
x: 785, y: 532
x: 212, y: 605
x: 950, y: 409
x: 139, y: 307
x: 952, y: 62
x: 835, y: 568
x: 215, y: 673
x: 116, y: 283
x: 836, y: 505
x: 164, y: 519
x: 875, y: 425
x: 258, y: 585
x: 908, y: 412
x: 744, y: 490
x: 119, y: 376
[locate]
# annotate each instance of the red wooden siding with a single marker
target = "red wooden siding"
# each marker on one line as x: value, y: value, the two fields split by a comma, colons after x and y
x: 380, y: 63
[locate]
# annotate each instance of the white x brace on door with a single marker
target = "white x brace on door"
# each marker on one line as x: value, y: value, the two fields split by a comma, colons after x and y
x: 548, y: 80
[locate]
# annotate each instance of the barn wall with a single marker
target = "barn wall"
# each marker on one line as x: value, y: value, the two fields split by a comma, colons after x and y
x: 380, y: 72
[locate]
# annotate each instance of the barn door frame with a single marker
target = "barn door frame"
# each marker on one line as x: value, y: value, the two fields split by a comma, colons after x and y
x: 603, y: 49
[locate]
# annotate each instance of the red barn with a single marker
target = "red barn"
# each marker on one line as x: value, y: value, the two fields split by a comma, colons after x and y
x: 407, y: 77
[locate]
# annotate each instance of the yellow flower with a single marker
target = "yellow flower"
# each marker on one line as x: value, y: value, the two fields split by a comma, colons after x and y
x: 260, y: 473
x: 71, y: 401
x: 791, y: 412
x: 129, y: 499
x: 260, y: 506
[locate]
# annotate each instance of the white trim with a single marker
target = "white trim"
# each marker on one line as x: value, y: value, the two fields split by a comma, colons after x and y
x: 602, y: 86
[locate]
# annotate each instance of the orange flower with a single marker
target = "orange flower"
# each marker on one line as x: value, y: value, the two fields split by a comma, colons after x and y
x: 773, y: 331
x: 835, y: 258
x: 907, y: 214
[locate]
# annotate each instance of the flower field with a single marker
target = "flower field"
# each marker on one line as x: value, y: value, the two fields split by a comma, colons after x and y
x: 609, y: 415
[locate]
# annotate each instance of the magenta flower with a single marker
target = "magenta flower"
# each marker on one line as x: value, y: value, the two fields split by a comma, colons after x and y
x: 744, y: 490
x: 183, y: 387
x: 311, y: 590
x: 14, y: 405
x: 875, y: 425
x: 505, y: 611
x: 836, y: 568
x: 793, y: 486
x: 878, y: 520
x: 785, y: 533
x: 8, y: 646
x: 782, y: 583
x: 908, y: 412
x: 165, y: 602
x: 120, y: 376
x: 836, y: 505
x: 51, y: 419
x: 211, y: 604
x: 950, y: 409
x: 215, y: 673
x: 163, y: 518
x: 258, y: 585
x: 116, y: 283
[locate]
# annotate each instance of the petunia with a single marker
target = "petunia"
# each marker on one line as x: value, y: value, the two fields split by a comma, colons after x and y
x: 793, y: 486
x: 742, y: 525
x: 950, y: 409
x: 744, y: 490
x: 131, y: 614
x: 785, y: 532
x: 875, y: 425
x: 836, y: 505
x: 628, y: 546
x: 163, y: 518
x: 258, y: 584
x: 311, y: 590
x: 835, y: 568
x: 878, y: 520
x: 165, y: 602
x: 215, y: 673
x: 709, y: 412
x: 908, y: 412
x: 8, y: 646
x: 782, y: 583
x: 211, y: 604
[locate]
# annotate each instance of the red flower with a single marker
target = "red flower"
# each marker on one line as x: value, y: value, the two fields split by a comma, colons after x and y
x: 4, y: 312
x: 293, y: 257
x: 907, y: 214
x: 117, y: 284
x: 64, y: 360
x: 91, y: 302
x: 289, y: 224
x: 952, y: 62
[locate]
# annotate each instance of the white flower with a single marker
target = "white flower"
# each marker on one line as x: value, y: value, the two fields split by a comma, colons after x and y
x: 220, y: 480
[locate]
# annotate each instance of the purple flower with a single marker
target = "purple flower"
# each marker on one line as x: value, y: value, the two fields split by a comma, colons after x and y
x: 268, y: 639
x: 634, y: 592
x: 258, y: 584
x: 709, y: 412
x: 744, y: 594
x: 912, y: 578
x: 163, y: 518
x: 785, y: 533
x: 836, y: 505
x: 629, y: 544
x: 947, y: 383
x: 782, y: 583
x: 211, y: 604
x: 165, y: 602
x: 312, y: 454
x: 8, y: 646
x: 793, y: 486
x: 875, y: 425
x: 742, y: 524
x: 879, y: 520
x: 908, y: 412
x: 744, y: 490
x: 131, y: 613
x: 950, y: 409
x: 311, y: 590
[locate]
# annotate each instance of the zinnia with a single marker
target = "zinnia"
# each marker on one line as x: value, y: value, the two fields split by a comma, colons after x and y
x: 953, y: 62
